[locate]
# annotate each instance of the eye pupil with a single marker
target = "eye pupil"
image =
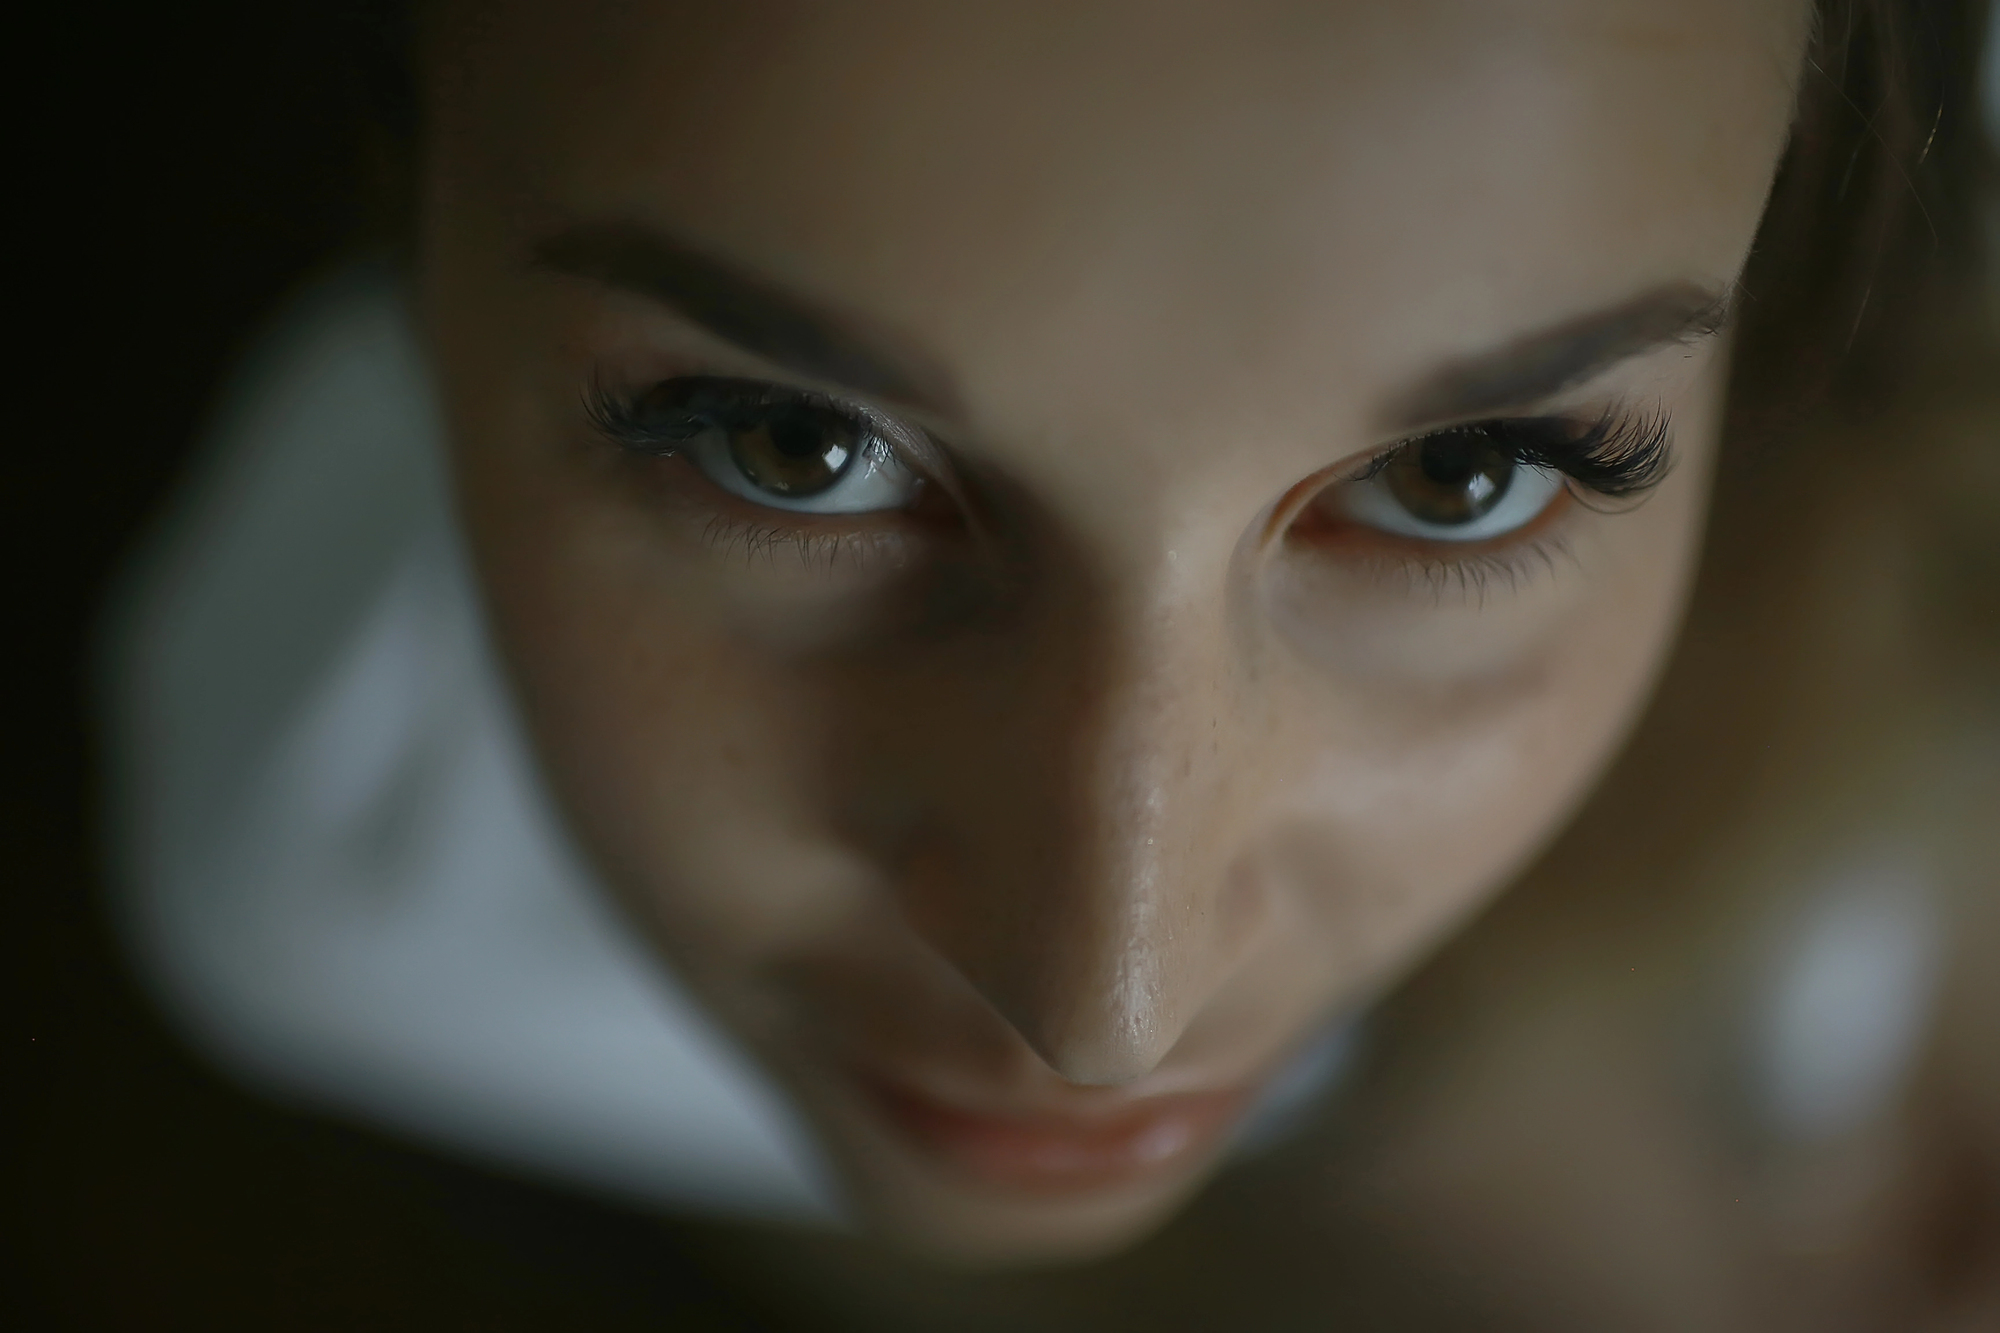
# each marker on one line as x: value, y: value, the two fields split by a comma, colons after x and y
x: 1449, y: 479
x: 1448, y: 462
x: 796, y: 435
x: 791, y: 450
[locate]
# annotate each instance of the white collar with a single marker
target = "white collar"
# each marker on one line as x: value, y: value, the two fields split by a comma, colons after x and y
x: 338, y: 869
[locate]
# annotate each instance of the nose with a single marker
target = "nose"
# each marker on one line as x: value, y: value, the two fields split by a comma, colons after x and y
x: 1078, y: 858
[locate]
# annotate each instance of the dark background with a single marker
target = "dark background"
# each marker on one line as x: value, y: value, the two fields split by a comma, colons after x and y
x: 178, y: 170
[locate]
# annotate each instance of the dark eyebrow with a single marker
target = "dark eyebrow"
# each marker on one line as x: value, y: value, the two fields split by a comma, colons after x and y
x: 1543, y: 364
x: 807, y: 337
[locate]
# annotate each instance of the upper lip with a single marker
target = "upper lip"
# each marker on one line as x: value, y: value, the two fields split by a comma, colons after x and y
x: 1077, y: 1142
x: 1050, y: 1101
x: 1055, y: 1108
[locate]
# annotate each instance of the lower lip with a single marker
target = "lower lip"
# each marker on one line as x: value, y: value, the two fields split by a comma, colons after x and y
x: 1054, y: 1154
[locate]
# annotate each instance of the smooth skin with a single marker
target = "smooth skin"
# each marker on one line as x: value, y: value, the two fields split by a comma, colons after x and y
x: 1113, y: 770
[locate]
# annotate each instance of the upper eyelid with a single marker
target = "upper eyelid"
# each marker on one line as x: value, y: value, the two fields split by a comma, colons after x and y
x: 1651, y: 454
x: 918, y: 448
x: 706, y: 354
x: 913, y: 441
x: 617, y: 408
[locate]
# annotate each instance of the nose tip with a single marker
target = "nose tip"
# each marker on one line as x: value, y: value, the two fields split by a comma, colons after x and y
x: 1103, y: 1020
x: 1098, y: 978
x: 1109, y: 1030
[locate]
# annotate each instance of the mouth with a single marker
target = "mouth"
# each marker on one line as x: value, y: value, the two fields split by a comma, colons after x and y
x: 1050, y: 1152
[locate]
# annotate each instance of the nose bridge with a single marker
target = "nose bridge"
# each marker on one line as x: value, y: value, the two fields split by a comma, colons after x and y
x: 1082, y: 881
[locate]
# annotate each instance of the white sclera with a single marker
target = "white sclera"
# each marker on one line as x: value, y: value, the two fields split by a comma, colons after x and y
x: 1529, y: 490
x: 874, y: 480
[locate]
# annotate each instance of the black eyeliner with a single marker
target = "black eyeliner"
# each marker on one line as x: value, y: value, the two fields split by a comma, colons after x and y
x: 700, y: 403
x: 1620, y: 455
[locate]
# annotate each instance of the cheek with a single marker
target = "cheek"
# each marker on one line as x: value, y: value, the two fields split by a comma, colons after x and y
x: 1462, y: 743
x: 686, y: 760
x: 1416, y: 819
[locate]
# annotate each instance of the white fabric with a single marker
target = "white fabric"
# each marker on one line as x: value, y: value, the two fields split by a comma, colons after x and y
x: 339, y: 872
x: 1850, y: 983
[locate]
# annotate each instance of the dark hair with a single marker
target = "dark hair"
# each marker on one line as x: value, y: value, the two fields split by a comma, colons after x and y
x: 1873, y: 209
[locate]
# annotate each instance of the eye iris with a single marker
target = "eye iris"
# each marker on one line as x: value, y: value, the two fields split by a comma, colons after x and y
x: 792, y: 451
x: 1449, y: 479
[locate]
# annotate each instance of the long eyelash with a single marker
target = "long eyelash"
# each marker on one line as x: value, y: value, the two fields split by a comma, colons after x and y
x: 768, y: 543
x: 1620, y: 455
x: 617, y: 415
x: 1476, y: 575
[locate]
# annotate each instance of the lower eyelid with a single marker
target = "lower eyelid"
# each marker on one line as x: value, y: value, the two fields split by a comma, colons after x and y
x: 725, y: 524
x: 752, y: 540
x: 1470, y: 576
x: 1317, y: 527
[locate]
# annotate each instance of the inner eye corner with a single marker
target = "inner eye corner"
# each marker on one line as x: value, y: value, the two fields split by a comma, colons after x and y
x: 1303, y: 500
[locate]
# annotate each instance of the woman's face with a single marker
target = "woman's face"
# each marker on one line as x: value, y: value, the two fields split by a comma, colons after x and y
x: 1048, y: 549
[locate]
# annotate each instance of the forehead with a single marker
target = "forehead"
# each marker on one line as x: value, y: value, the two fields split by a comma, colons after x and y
x: 1149, y: 190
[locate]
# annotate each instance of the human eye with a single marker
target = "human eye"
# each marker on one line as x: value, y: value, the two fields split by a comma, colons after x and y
x: 1455, y: 487
x: 774, y: 446
x: 1490, y: 481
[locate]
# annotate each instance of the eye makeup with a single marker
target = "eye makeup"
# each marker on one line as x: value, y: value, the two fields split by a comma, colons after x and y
x: 782, y: 479
x: 660, y: 420
x: 1459, y: 508
x: 777, y: 448
x: 1620, y: 454
x: 800, y: 467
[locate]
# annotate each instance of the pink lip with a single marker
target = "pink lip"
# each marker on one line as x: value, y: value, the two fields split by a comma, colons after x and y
x: 1050, y: 1152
